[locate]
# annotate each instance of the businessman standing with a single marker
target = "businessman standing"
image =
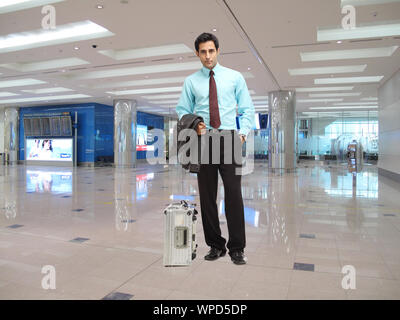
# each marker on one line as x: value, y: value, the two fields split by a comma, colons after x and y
x: 213, y: 93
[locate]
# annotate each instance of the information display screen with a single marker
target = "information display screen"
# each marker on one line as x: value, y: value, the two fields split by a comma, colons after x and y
x: 49, y: 149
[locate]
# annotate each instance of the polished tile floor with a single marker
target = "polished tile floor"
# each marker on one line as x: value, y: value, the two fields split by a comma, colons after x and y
x: 101, y: 232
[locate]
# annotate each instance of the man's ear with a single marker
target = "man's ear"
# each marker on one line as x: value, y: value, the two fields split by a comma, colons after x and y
x: 197, y: 53
x: 218, y: 51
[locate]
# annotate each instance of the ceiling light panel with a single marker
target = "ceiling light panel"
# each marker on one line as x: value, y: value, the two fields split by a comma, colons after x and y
x: 322, y: 89
x: 349, y: 107
x: 354, y: 103
x: 171, y: 67
x: 357, y: 3
x: 7, y: 94
x: 348, y: 80
x: 172, y: 102
x: 330, y: 95
x: 369, y: 99
x: 16, y: 5
x: 20, y: 83
x: 47, y: 90
x: 162, y: 96
x: 66, y: 33
x: 326, y: 70
x: 147, y: 52
x: 348, y: 54
x: 259, y: 98
x: 41, y: 99
x: 44, y: 65
x: 365, y: 31
x: 146, y: 91
x: 318, y: 100
x: 145, y: 82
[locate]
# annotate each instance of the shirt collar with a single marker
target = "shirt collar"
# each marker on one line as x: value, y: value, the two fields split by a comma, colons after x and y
x: 206, y: 71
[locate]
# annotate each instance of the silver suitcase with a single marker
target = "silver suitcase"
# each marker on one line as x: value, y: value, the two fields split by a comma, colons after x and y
x: 179, y: 234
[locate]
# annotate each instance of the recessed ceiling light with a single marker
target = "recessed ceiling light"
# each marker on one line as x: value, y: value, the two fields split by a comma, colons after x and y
x: 372, y: 30
x: 162, y: 96
x: 354, y: 103
x: 20, y: 83
x: 249, y: 68
x: 44, y: 65
x: 214, y: 29
x: 76, y: 48
x: 147, y: 52
x: 349, y: 107
x: 319, y: 89
x: 16, y: 5
x: 47, y: 90
x: 356, y: 3
x: 369, y: 99
x: 99, y: 6
x: 348, y: 54
x: 66, y: 33
x: 7, y: 94
x: 339, y: 41
x: 329, y: 95
x: 36, y: 99
x: 318, y: 100
x: 144, y: 91
x: 327, y: 70
x: 348, y: 80
x: 171, y: 67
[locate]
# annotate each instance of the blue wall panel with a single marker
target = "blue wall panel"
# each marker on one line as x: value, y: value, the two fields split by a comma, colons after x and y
x: 104, y: 135
x: 86, y: 126
x: 95, y: 128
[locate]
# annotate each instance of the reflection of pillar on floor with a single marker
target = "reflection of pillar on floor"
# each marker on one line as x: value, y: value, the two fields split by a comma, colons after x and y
x: 282, y: 148
x: 124, y: 133
x: 11, y: 135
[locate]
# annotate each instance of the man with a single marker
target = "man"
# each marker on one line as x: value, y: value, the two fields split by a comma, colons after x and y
x: 213, y: 93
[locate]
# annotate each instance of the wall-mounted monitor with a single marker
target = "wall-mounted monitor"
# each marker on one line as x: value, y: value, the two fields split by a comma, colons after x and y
x: 27, y: 127
x: 66, y: 126
x: 263, y: 121
x: 45, y: 126
x: 36, y: 127
x: 53, y: 150
x: 55, y: 126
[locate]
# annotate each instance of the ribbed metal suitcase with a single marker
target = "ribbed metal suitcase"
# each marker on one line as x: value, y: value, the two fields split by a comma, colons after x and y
x: 179, y: 234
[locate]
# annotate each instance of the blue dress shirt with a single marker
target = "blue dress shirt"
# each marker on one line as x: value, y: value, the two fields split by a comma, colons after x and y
x: 232, y: 92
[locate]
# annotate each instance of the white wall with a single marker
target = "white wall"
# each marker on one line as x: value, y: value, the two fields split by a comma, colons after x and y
x: 1, y: 130
x: 389, y: 125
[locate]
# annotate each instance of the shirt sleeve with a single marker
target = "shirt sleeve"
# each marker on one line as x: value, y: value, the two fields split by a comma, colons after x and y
x: 186, y: 101
x: 245, y: 106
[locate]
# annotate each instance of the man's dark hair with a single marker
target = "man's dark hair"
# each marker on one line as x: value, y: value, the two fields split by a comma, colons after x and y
x: 204, y: 37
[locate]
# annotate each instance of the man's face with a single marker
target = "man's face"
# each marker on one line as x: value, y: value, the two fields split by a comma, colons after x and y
x: 208, y: 54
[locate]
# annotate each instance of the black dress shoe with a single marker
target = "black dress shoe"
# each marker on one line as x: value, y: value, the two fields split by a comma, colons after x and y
x: 214, y: 254
x: 238, y: 257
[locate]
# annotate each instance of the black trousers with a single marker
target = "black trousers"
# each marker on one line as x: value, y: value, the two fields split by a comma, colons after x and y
x: 208, y: 188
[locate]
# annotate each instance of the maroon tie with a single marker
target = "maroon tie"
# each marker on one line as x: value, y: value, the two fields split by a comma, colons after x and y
x: 213, y: 102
